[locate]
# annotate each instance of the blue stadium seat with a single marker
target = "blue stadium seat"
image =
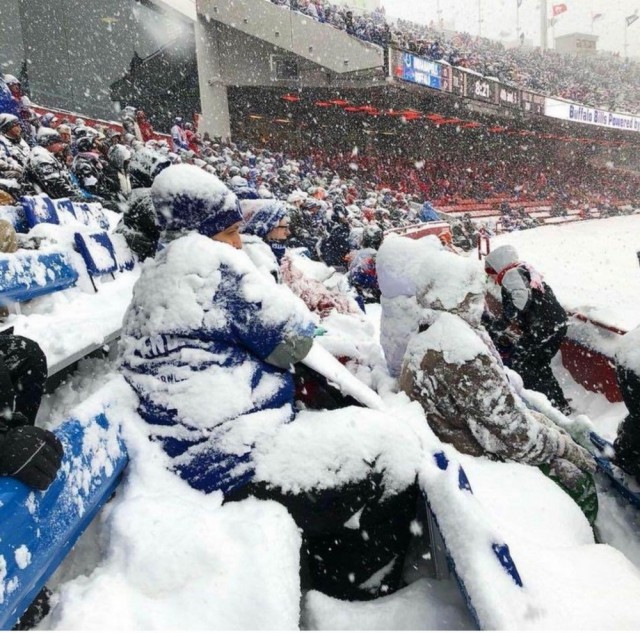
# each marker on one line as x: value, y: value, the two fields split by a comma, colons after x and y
x: 98, y: 254
x: 38, y: 529
x: 39, y: 209
x: 27, y: 275
x: 91, y: 214
x: 65, y: 210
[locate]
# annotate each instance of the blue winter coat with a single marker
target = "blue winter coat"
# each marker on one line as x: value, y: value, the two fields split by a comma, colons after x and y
x: 201, y: 323
x: 428, y: 213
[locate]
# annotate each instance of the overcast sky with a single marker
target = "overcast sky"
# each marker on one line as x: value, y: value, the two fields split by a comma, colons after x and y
x: 499, y: 18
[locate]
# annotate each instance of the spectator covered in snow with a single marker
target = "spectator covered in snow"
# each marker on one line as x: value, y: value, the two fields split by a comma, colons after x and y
x: 14, y: 150
x: 178, y: 138
x: 627, y: 444
x: 398, y: 266
x: 208, y: 346
x: 452, y: 368
x: 267, y: 227
x: 530, y: 305
x: 46, y: 170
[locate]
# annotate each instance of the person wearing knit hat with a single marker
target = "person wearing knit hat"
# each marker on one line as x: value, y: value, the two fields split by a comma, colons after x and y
x: 14, y: 151
x: 208, y: 346
x: 188, y: 199
x: 46, y: 167
x: 271, y: 224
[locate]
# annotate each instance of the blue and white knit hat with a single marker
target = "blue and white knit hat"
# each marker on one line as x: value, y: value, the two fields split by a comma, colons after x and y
x: 265, y: 219
x: 187, y: 198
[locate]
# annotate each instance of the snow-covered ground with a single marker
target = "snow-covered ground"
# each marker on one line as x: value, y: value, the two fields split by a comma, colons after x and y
x: 162, y: 556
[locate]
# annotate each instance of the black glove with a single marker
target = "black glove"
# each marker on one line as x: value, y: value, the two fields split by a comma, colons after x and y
x: 31, y: 455
x: 14, y: 420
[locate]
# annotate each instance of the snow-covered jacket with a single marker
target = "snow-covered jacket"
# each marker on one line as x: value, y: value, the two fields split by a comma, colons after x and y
x: 455, y: 373
x: 526, y: 299
x: 200, y: 346
x: 88, y: 168
x: 14, y: 154
x: 49, y: 175
x: 261, y: 255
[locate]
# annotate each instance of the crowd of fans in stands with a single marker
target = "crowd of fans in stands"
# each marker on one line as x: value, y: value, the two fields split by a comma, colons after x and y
x: 603, y: 81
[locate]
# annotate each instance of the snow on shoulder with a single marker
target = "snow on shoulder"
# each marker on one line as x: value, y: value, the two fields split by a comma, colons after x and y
x: 178, y: 288
x: 449, y: 335
x: 446, y: 279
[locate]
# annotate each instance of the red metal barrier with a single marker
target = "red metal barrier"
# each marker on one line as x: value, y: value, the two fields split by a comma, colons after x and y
x: 593, y: 370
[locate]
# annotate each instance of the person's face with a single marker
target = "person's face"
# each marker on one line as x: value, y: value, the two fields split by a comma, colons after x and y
x: 230, y: 236
x: 279, y: 233
x: 15, y: 131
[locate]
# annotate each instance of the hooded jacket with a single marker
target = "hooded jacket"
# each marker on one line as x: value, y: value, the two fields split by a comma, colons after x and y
x: 452, y: 368
x: 526, y: 299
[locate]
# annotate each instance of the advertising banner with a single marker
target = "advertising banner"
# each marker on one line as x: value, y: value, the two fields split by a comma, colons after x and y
x: 532, y: 102
x: 508, y: 96
x: 418, y: 70
x: 453, y: 80
x: 591, y: 116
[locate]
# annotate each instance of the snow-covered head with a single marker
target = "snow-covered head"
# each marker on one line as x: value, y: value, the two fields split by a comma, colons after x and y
x: 187, y: 198
x: 265, y: 219
x: 499, y: 259
x: 452, y: 283
x: 399, y: 263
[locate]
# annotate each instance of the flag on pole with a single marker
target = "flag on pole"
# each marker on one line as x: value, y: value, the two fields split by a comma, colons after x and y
x: 630, y: 19
x: 552, y: 21
x: 596, y: 16
x: 557, y: 9
x: 519, y: 3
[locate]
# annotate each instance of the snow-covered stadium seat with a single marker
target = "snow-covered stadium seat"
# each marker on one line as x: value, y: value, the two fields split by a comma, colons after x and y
x: 39, y: 209
x: 27, y: 275
x: 38, y: 529
x: 91, y: 214
x: 97, y: 252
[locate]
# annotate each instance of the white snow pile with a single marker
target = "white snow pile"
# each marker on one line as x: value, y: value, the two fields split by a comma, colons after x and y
x: 628, y: 352
x: 564, y: 574
x: 175, y: 558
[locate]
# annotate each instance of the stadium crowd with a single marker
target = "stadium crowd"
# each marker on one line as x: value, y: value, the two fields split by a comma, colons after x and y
x: 603, y: 81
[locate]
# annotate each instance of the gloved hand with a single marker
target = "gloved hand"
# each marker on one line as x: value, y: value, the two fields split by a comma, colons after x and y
x: 579, y: 456
x: 31, y: 455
